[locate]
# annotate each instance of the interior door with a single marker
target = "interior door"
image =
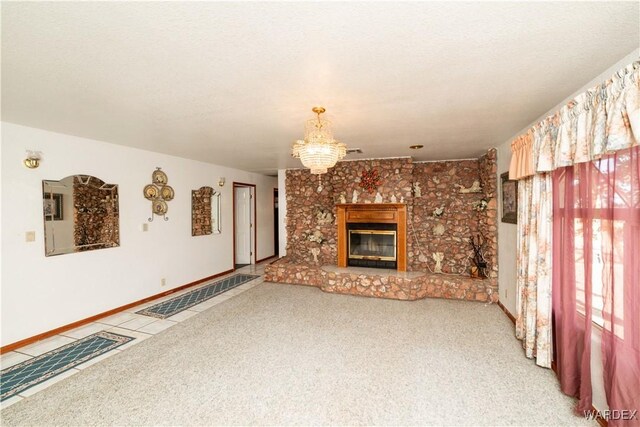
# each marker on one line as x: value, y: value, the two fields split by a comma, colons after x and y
x: 243, y: 225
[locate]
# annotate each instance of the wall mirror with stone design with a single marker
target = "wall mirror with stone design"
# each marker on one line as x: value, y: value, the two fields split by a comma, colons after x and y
x: 81, y: 213
x: 205, y: 211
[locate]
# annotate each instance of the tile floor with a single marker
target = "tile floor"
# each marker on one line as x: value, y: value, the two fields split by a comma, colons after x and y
x: 126, y: 323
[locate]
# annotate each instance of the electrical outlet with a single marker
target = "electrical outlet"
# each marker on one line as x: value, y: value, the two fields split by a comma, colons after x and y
x: 145, y: 227
x: 163, y: 282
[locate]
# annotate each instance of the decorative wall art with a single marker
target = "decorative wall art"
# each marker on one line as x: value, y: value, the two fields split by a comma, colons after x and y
x: 159, y: 193
x: 370, y: 180
x: 509, y: 199
x: 81, y: 214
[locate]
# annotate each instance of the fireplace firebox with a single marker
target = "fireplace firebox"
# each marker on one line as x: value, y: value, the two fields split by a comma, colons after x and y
x: 372, y: 245
x: 372, y: 235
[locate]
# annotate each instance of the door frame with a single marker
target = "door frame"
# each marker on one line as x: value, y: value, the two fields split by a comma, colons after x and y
x: 254, y: 220
x: 276, y: 223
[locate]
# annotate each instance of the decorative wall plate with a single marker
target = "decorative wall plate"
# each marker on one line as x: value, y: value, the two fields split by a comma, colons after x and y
x: 159, y: 177
x: 167, y: 192
x: 159, y: 207
x: 159, y: 193
x: 151, y: 192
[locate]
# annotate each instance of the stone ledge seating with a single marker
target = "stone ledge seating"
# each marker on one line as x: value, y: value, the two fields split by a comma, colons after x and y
x: 397, y: 285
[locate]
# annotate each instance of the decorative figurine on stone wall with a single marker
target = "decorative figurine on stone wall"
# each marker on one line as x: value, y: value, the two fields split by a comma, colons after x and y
x: 437, y: 212
x: 481, y: 205
x: 438, y: 230
x: 378, y: 198
x: 481, y: 265
x: 475, y: 188
x: 437, y: 257
x: 343, y: 199
x: 354, y: 198
x: 315, y: 252
x: 394, y: 199
x: 417, y: 191
x: 324, y: 217
x: 316, y: 237
x: 401, y: 199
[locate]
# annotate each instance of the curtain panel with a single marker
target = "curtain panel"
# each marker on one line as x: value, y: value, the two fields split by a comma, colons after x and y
x: 579, y: 200
x: 596, y: 278
x: 535, y: 225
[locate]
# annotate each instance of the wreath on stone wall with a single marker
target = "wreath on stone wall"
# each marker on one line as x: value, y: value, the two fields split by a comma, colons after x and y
x: 370, y: 180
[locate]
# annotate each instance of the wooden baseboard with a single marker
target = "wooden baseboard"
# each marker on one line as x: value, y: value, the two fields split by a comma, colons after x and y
x: 509, y: 315
x: 599, y: 419
x: 265, y: 259
x: 56, y: 331
x: 277, y: 258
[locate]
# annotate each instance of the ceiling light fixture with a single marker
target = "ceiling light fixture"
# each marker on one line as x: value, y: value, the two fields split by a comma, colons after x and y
x: 416, y: 147
x: 318, y: 151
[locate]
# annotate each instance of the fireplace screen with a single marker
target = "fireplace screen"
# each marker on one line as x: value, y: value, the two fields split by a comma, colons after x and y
x: 377, y: 245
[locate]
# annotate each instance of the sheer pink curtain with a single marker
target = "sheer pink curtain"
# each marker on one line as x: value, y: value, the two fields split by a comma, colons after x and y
x: 596, y: 278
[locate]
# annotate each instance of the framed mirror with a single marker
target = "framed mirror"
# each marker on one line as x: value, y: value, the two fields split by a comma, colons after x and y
x: 215, y: 213
x: 205, y: 211
x: 81, y: 213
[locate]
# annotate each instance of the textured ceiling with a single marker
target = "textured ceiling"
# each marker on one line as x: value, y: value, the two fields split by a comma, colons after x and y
x: 232, y: 83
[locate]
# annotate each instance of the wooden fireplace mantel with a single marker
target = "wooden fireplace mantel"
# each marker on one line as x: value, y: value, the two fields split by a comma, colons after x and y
x: 386, y: 213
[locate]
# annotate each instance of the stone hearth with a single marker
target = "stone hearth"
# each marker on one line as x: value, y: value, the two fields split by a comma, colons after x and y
x: 380, y: 283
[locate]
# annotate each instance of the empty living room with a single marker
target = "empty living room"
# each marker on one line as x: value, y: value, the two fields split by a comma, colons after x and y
x: 320, y: 213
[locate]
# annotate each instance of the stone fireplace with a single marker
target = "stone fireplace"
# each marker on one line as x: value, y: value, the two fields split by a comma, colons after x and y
x: 441, y: 207
x: 372, y: 235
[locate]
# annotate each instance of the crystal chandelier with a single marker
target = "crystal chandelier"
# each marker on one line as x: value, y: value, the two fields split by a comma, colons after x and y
x: 318, y: 151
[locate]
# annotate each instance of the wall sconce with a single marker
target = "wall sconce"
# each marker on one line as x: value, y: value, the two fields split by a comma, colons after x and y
x: 221, y: 181
x: 33, y: 159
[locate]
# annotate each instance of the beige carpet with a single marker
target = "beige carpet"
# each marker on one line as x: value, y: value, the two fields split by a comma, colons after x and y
x: 279, y: 354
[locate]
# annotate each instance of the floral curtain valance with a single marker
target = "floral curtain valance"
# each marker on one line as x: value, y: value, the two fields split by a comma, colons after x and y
x: 522, y: 157
x: 600, y: 121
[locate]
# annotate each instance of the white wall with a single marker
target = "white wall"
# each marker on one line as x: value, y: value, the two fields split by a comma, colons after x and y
x: 507, y: 234
x: 41, y: 293
x: 282, y: 212
x: 506, y: 241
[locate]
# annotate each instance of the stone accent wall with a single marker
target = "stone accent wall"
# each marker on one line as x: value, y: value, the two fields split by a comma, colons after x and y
x: 95, y: 214
x: 445, y: 186
x: 448, y: 233
x: 311, y: 214
x: 488, y: 222
x: 201, y: 211
x: 308, y: 225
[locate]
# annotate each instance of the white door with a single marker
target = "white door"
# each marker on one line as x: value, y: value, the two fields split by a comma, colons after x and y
x: 243, y: 225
